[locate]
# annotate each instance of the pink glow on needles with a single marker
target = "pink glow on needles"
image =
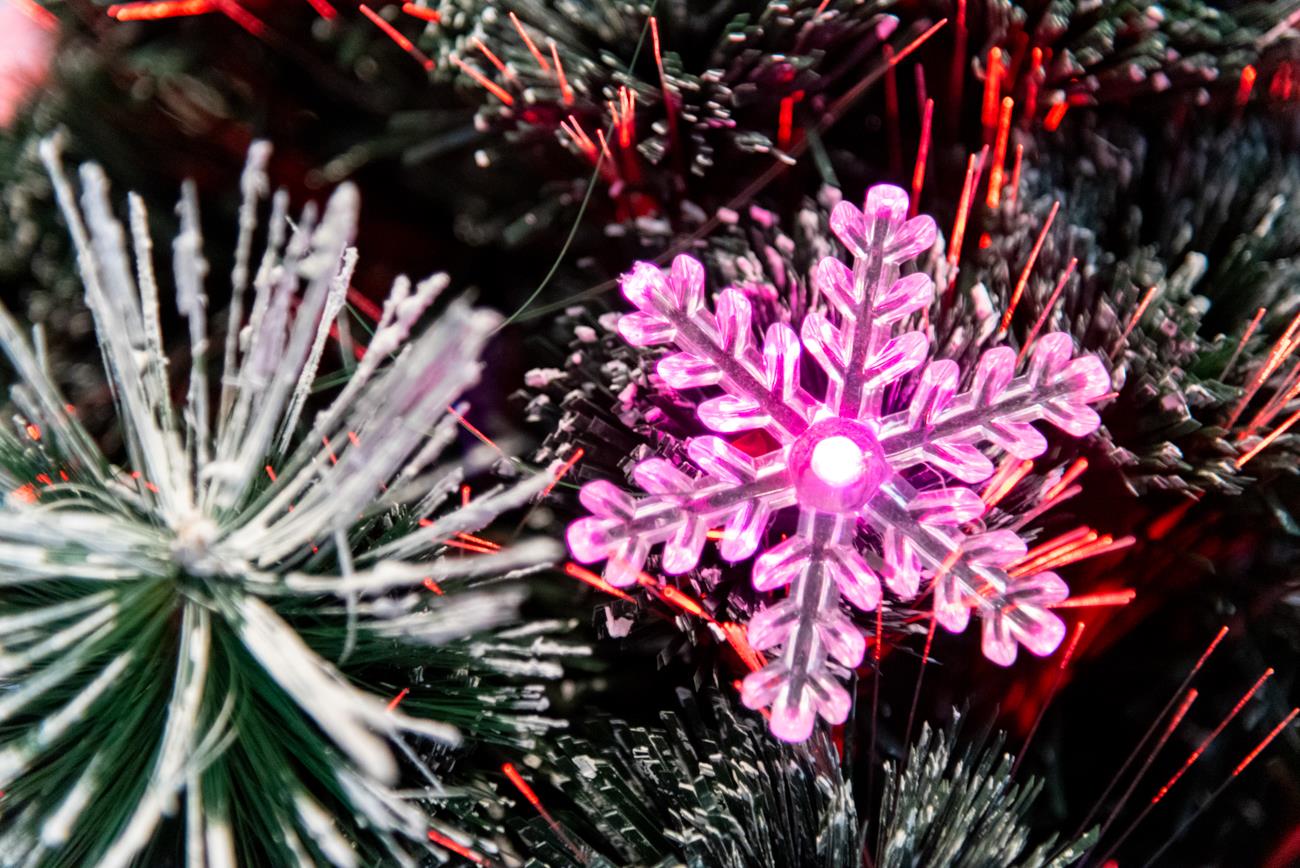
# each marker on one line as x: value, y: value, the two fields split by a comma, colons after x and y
x: 922, y: 154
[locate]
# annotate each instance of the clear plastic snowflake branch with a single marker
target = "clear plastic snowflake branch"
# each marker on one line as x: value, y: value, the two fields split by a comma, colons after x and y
x: 842, y: 459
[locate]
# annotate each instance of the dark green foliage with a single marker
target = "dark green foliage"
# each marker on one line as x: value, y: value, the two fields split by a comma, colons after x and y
x: 707, y: 787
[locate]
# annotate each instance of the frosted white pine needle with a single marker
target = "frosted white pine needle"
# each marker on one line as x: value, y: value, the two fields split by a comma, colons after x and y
x: 176, y: 632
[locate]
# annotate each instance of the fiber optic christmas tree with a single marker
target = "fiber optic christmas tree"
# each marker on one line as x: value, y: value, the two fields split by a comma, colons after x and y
x: 817, y: 330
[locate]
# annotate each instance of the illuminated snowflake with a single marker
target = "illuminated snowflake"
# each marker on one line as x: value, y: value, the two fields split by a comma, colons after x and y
x: 843, y: 459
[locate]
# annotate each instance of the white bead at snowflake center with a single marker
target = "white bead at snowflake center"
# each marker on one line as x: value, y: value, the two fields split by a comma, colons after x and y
x: 838, y: 461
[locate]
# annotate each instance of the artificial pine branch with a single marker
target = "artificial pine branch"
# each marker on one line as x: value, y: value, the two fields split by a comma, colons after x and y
x: 706, y: 787
x: 209, y: 637
x: 952, y: 801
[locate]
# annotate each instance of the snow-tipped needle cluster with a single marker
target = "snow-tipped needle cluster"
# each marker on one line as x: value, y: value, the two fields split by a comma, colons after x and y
x: 196, y: 640
x: 704, y: 785
x: 951, y: 772
x: 654, y: 98
x: 845, y: 446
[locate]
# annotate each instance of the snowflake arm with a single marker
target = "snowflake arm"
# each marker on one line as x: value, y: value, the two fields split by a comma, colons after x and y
x: 736, y: 492
x: 819, y: 564
x: 943, y: 428
x: 859, y: 356
x: 761, y: 389
x: 969, y: 572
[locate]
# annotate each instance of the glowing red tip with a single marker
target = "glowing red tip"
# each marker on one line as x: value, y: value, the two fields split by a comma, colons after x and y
x: 532, y: 46
x: 522, y: 785
x: 669, y: 111
x: 486, y: 83
x: 1277, y: 354
x: 424, y: 13
x: 584, y: 575
x: 1074, y: 472
x: 1054, y: 116
x: 685, y: 603
x: 1268, y: 441
x: 1134, y: 319
x: 1107, y: 598
x: 469, y: 547
x: 394, y: 34
x: 1023, y: 280
x: 566, y: 92
x: 1000, y: 153
x: 785, y: 123
x: 738, y: 639
x: 478, y: 540
x: 324, y: 9
x: 963, y: 211
x: 155, y: 11
x: 493, y: 59
x: 1214, y: 643
x: 1074, y: 644
x: 363, y: 304
x: 1032, y: 81
x: 623, y: 115
x: 922, y: 154
x: 1081, y: 535
x: 1047, y: 308
x: 1014, y: 195
x: 992, y: 88
x: 1007, y: 477
x: 241, y: 16
x: 465, y: 423
x: 447, y: 843
x: 1245, y: 86
x: 1273, y: 733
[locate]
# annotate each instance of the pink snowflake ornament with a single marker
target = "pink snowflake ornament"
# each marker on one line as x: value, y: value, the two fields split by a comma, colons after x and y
x: 841, y: 460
